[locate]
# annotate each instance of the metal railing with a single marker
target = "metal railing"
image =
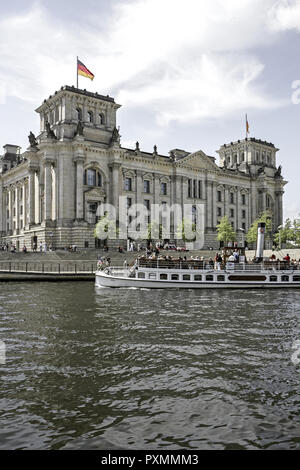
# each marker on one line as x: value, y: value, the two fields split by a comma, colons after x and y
x: 208, y: 266
x: 48, y: 267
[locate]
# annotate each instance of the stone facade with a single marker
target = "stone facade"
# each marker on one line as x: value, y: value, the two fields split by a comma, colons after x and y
x: 51, y: 193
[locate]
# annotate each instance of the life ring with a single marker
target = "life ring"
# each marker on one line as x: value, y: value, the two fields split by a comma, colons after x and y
x: 106, y: 271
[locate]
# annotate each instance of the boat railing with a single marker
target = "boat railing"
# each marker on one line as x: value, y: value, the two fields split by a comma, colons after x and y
x: 210, y: 265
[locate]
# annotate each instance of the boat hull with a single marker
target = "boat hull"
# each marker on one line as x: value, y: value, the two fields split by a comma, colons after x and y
x: 107, y: 280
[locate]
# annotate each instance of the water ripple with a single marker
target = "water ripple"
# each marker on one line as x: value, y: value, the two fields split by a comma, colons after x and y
x: 101, y: 368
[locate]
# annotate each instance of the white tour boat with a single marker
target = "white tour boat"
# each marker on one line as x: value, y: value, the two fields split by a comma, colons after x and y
x: 198, y: 274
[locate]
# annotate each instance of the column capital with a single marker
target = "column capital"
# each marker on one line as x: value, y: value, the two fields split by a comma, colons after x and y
x: 79, y: 159
x: 114, y: 165
x: 47, y: 162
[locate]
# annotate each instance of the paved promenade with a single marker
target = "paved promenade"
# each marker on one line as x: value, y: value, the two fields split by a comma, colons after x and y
x: 80, y: 266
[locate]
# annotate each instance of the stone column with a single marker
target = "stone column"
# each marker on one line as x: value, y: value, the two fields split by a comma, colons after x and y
x: 139, y: 186
x: 31, y: 197
x: 226, y: 210
x: 156, y: 189
x: 213, y: 201
x: 278, y: 208
x: 209, y: 206
x: 10, y: 204
x: 37, y: 197
x: 238, y: 210
x: 79, y: 187
x: 24, y: 214
x: 17, y: 207
x: 115, y: 170
x: 47, y: 190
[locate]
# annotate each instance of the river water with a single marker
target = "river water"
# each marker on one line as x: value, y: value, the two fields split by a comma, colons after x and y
x: 92, y: 368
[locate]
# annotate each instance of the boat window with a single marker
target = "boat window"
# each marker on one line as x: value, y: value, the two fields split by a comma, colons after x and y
x: 285, y: 278
x: 174, y: 277
x: 273, y: 278
x: 186, y: 277
x: 141, y: 275
x: 164, y: 276
x: 209, y: 277
x: 197, y: 277
x: 242, y: 277
x: 152, y: 276
x: 296, y: 278
x: 221, y: 278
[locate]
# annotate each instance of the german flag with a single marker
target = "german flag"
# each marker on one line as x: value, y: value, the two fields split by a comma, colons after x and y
x: 82, y: 70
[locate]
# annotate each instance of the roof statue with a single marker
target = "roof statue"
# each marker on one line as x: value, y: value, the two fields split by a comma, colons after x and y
x: 32, y: 140
x: 79, y: 129
x: 49, y: 131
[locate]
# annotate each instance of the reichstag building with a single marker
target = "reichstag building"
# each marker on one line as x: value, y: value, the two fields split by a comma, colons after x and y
x: 51, y: 193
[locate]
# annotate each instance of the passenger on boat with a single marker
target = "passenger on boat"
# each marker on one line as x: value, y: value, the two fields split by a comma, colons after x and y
x: 287, y: 257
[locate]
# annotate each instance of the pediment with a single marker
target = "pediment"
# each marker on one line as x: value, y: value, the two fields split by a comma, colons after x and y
x: 95, y: 194
x: 198, y: 160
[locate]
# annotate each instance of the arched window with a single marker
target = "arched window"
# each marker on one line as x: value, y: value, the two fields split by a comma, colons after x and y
x: 79, y: 114
x: 90, y: 116
x: 92, y: 177
x: 102, y: 119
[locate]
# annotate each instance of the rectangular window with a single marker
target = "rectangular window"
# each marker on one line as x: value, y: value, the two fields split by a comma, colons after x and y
x: 175, y: 277
x: 91, y: 177
x: 231, y: 198
x: 195, y: 188
x: 231, y: 212
x: 129, y: 202
x: 189, y: 188
x: 147, y: 204
x: 243, y: 226
x: 164, y: 188
x: 128, y: 184
x: 219, y: 212
x: 141, y: 275
x: 243, y: 199
x: 219, y: 196
x: 93, y: 207
x: 163, y: 277
x: 146, y: 186
x: 152, y: 276
x: 200, y: 189
x: 186, y: 277
x: 243, y: 214
x: 197, y: 277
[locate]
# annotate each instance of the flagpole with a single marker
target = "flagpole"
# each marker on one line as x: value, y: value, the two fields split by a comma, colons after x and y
x: 77, y: 72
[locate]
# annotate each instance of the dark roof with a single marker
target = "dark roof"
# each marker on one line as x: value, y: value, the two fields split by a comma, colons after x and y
x: 9, y: 157
x: 84, y: 92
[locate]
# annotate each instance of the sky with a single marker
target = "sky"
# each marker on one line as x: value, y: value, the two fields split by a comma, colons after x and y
x: 185, y: 73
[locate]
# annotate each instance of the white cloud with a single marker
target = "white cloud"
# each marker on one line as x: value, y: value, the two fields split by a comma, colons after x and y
x: 188, y: 60
x: 285, y: 15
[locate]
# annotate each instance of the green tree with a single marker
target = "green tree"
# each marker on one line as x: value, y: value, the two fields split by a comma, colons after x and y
x: 105, y: 228
x: 154, y: 230
x: 265, y: 217
x: 225, y: 231
x: 186, y: 231
x: 289, y: 232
